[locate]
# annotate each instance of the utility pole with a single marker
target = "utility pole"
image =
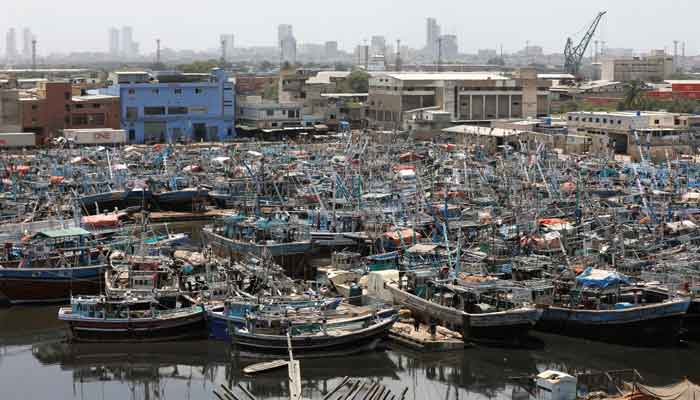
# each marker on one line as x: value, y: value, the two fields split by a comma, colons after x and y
x: 398, y: 55
x: 439, y: 54
x: 595, y: 56
x: 675, y: 55
x: 366, y: 51
x: 223, y: 53
x: 683, y: 55
x: 34, y: 54
x: 158, y: 51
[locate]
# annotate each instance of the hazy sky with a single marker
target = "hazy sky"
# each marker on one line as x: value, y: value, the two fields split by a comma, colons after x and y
x: 195, y: 24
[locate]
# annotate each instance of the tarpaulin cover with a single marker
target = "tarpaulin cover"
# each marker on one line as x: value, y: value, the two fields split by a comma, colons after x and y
x: 600, y: 278
x: 101, y: 220
x: 685, y: 390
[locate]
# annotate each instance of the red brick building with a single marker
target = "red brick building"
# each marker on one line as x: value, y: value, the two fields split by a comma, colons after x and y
x: 54, y: 108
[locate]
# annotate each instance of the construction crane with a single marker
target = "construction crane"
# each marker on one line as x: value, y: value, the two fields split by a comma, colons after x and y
x: 574, y: 55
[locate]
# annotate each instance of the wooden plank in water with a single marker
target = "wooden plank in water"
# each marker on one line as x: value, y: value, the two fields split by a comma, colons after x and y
x: 265, y: 366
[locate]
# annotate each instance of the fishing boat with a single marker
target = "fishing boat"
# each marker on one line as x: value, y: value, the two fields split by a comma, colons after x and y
x: 181, y: 200
x: 276, y: 237
x: 349, y: 336
x: 600, y: 308
x: 236, y: 312
x: 131, y: 319
x: 51, y: 266
x: 458, y: 308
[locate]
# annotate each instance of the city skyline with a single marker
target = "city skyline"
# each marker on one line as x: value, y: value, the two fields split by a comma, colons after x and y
x: 84, y: 31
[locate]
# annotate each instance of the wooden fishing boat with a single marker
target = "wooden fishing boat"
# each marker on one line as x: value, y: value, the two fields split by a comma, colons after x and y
x: 352, y: 335
x: 51, y: 266
x: 599, y: 308
x: 101, y: 319
x: 181, y: 200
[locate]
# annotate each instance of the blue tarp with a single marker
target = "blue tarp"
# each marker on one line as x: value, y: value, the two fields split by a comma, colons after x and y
x: 600, y: 279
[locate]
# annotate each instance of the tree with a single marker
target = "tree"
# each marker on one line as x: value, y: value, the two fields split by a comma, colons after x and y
x: 634, y: 96
x: 496, y: 61
x: 271, y: 92
x: 266, y: 66
x: 199, y: 66
x: 357, y: 82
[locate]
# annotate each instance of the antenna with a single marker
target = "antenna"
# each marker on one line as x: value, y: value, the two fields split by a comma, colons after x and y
x: 158, y: 51
x: 34, y: 54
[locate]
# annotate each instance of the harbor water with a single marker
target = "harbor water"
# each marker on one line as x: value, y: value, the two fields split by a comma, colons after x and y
x: 36, y: 362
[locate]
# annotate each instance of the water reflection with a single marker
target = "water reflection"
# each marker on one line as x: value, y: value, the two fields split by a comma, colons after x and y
x: 31, y: 345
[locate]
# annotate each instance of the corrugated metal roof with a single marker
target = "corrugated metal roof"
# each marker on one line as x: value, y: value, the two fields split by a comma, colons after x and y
x: 445, y: 76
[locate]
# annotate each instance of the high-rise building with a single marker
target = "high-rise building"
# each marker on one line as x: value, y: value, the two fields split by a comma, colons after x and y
x: 378, y: 46
x: 27, y: 38
x: 432, y: 35
x: 11, y: 45
x: 331, y: 50
x: 284, y: 31
x: 227, y: 40
x: 287, y: 43
x: 450, y: 47
x: 114, y: 42
x: 129, y: 48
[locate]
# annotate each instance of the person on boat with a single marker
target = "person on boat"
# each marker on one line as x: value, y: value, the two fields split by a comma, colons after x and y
x: 416, y: 324
x: 433, y: 328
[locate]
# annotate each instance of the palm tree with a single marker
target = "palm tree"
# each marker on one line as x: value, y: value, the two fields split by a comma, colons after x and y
x: 634, y: 95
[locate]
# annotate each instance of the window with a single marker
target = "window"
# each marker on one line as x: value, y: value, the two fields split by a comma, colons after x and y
x: 131, y: 113
x: 96, y: 119
x: 153, y: 110
x: 132, y: 135
x: 80, y: 119
x: 96, y: 105
x: 274, y: 124
x: 597, y: 120
x: 177, y: 91
x: 229, y: 131
x: 35, y: 107
x: 270, y: 112
x: 132, y: 91
x: 571, y: 118
x: 67, y: 95
x: 67, y: 107
x: 198, y: 110
x: 177, y: 110
x: 198, y: 91
x: 619, y: 122
x: 656, y: 122
x: 605, y: 120
x: 155, y: 91
x: 78, y: 106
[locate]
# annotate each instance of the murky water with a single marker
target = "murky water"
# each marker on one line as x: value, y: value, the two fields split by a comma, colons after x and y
x: 35, y: 363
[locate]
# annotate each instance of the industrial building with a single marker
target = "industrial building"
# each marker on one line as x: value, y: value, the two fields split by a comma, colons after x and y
x: 478, y: 96
x: 173, y: 106
x: 660, y: 134
x: 653, y: 68
x: 54, y: 107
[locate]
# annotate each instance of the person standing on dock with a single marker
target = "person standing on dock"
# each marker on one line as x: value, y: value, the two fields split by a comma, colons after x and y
x: 416, y: 324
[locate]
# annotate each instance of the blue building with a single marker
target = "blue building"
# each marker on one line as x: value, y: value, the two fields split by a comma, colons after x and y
x: 174, y: 106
